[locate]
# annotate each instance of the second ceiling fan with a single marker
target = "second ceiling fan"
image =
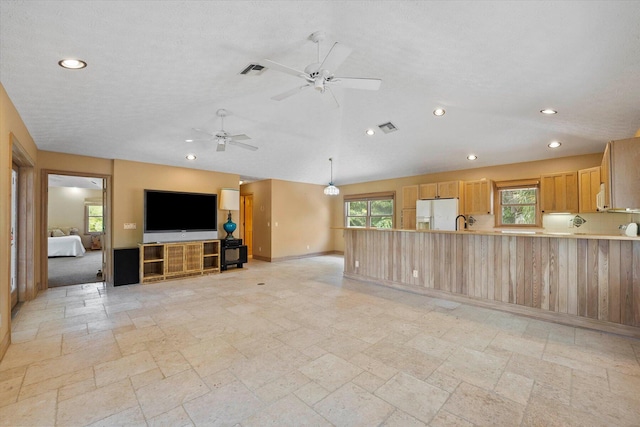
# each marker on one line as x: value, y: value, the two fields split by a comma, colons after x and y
x: 320, y: 75
x: 222, y: 138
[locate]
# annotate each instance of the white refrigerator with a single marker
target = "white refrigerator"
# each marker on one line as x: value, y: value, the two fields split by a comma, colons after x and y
x: 438, y: 214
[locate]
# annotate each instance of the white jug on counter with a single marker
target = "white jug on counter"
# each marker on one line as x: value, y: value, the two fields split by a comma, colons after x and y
x: 630, y: 229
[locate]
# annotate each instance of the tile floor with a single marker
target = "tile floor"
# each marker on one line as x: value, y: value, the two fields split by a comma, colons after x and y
x: 307, y: 347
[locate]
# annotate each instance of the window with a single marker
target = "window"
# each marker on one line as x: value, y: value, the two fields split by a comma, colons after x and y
x: 93, y: 219
x: 369, y: 210
x: 517, y: 203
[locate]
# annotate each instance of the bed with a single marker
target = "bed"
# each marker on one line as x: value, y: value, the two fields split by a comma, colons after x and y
x: 66, y: 246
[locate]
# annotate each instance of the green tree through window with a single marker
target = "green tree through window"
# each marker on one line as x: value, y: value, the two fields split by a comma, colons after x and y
x: 369, y: 212
x: 94, y: 219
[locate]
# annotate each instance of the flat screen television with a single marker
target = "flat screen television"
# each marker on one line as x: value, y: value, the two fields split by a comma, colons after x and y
x: 171, y: 216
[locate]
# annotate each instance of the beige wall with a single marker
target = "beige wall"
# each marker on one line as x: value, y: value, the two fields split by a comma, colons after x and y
x: 12, y: 131
x: 130, y: 179
x: 301, y: 220
x: 496, y: 173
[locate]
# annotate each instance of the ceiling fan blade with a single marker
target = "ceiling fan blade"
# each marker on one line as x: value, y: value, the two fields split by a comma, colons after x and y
x: 333, y: 96
x: 335, y: 57
x: 284, y: 69
x: 203, y: 131
x: 240, y: 137
x: 221, y: 146
x: 288, y: 93
x: 358, y: 83
x: 243, y: 145
x: 201, y: 140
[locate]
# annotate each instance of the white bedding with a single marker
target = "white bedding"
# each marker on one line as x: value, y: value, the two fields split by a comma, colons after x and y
x: 66, y: 246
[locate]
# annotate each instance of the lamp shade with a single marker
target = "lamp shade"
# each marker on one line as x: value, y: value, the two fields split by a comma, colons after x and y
x: 229, y: 199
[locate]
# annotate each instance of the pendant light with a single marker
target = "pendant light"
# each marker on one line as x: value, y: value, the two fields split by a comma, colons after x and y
x: 331, y: 190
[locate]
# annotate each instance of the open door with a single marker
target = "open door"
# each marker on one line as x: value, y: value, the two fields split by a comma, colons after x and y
x: 246, y: 218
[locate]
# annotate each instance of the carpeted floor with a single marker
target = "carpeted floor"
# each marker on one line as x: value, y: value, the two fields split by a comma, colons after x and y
x: 65, y: 271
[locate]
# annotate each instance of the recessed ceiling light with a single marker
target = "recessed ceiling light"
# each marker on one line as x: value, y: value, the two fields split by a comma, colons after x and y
x: 370, y: 132
x: 438, y: 112
x: 188, y: 140
x: 548, y: 111
x: 554, y: 144
x: 472, y: 157
x: 191, y: 156
x: 72, y: 64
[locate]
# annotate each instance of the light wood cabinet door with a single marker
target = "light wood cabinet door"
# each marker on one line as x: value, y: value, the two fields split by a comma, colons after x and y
x: 588, y: 187
x: 428, y: 191
x: 409, y: 219
x: 409, y: 196
x: 440, y: 190
x: 477, y: 197
x: 605, y: 175
x: 559, y: 192
x: 449, y: 190
x: 624, y: 174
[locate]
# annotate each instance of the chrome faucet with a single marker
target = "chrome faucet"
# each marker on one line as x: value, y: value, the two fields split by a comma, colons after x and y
x: 465, y: 221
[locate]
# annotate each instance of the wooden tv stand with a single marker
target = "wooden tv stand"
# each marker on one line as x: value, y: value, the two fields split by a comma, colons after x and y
x: 166, y: 261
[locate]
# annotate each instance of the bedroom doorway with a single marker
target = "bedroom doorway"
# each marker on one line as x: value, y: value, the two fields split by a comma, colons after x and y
x: 76, y: 229
x: 246, y: 220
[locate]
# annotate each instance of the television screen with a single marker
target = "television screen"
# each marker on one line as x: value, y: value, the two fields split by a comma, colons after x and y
x: 170, y: 211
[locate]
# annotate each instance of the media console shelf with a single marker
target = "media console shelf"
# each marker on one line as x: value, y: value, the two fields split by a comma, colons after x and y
x: 164, y: 261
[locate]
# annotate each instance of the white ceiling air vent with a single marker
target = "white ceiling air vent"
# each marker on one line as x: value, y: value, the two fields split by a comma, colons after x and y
x: 388, y: 127
x: 253, y: 70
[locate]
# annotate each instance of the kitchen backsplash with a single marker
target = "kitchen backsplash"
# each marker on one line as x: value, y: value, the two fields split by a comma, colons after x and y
x: 606, y: 223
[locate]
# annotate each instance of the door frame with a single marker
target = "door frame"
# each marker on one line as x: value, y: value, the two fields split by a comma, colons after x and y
x: 26, y: 242
x: 107, y: 264
x: 244, y: 213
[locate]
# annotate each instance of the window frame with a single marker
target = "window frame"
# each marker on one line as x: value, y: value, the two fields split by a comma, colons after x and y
x: 368, y: 198
x: 87, y: 207
x: 516, y: 185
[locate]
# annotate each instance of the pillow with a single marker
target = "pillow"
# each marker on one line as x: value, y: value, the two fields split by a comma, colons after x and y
x: 73, y: 231
x: 65, y: 230
x: 57, y: 233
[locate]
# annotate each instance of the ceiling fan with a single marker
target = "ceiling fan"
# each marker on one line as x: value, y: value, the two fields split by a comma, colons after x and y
x: 222, y: 138
x: 320, y: 75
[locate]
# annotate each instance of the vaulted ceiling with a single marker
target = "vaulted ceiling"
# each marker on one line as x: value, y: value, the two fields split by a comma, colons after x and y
x: 158, y: 69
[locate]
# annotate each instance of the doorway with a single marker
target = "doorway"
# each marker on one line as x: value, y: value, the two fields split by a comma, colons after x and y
x: 76, y: 229
x: 246, y: 220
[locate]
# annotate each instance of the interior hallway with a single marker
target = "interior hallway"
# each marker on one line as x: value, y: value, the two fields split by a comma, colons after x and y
x: 294, y: 343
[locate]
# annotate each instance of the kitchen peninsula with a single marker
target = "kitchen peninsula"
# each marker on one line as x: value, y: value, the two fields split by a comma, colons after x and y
x: 581, y: 280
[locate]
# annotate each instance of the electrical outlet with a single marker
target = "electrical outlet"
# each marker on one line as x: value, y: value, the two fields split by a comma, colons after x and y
x: 308, y: 247
x: 415, y: 273
x: 357, y: 264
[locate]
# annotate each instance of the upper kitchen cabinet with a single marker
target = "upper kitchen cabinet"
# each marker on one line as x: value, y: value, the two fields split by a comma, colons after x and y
x: 409, y: 199
x: 409, y: 196
x: 478, y: 197
x: 588, y: 187
x: 620, y: 173
x: 440, y: 190
x: 559, y: 192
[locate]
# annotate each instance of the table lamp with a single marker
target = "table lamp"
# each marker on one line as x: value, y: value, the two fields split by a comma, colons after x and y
x: 229, y: 201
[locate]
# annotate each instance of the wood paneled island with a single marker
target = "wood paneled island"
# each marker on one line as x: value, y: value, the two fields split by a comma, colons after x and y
x: 580, y: 280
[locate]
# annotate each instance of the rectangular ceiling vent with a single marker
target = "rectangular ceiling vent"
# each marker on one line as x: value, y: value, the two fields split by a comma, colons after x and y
x: 388, y: 127
x: 253, y: 70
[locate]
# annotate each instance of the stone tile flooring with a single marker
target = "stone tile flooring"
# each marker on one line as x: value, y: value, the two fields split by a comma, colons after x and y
x: 306, y: 348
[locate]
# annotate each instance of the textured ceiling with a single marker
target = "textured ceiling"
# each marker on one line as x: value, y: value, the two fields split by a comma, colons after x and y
x: 157, y: 69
